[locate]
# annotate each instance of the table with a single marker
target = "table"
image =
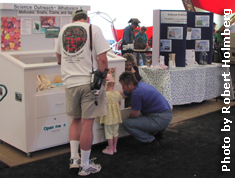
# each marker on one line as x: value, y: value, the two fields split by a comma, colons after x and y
x: 138, y: 52
x: 184, y: 85
x: 141, y: 52
x: 149, y: 50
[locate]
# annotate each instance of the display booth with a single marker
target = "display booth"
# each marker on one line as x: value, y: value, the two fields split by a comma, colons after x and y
x: 32, y: 98
x: 180, y: 32
x: 184, y: 36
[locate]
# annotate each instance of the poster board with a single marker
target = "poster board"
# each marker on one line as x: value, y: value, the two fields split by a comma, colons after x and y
x: 175, y: 26
x: 204, y: 22
x: 32, y: 34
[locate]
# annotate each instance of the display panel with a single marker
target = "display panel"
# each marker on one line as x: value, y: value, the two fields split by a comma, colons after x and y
x: 36, y: 59
x: 33, y: 59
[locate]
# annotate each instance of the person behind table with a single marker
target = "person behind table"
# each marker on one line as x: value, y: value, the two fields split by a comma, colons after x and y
x: 76, y: 66
x: 130, y: 65
x: 150, y: 112
x: 128, y: 35
x: 113, y: 118
x: 144, y: 40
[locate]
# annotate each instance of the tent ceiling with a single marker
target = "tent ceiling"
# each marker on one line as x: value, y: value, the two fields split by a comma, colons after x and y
x: 215, y: 6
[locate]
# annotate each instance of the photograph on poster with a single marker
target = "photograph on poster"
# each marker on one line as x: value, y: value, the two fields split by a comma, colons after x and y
x: 193, y: 33
x: 189, y: 33
x: 37, y: 28
x: 52, y: 32
x: 175, y: 33
x: 47, y: 21
x: 165, y: 45
x: 10, y: 33
x: 202, y: 21
x: 202, y: 45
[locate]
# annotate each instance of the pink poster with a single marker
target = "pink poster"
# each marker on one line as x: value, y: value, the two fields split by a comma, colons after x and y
x: 10, y: 33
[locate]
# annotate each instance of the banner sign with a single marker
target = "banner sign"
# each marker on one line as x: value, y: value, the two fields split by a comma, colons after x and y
x: 40, y: 9
x: 174, y: 17
x: 43, y: 13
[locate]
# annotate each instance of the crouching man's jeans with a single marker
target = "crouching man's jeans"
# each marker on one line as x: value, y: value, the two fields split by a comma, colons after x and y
x: 146, y: 126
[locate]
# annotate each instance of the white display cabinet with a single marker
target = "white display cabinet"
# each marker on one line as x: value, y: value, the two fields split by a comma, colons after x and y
x: 32, y: 119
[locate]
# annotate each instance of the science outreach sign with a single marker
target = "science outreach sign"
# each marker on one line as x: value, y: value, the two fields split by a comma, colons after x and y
x: 226, y: 94
x: 40, y: 9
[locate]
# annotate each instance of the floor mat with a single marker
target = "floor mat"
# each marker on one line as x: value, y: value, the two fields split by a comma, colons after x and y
x: 14, y: 157
x: 192, y: 148
x: 3, y: 165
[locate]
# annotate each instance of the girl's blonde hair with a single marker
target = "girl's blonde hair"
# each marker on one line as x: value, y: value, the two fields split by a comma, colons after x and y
x: 110, y: 84
x: 130, y: 58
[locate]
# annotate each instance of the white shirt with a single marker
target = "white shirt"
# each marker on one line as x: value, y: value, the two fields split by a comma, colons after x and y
x: 74, y: 47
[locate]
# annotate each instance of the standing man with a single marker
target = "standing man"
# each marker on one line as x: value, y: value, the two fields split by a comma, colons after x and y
x: 128, y: 34
x: 150, y: 112
x: 74, y: 54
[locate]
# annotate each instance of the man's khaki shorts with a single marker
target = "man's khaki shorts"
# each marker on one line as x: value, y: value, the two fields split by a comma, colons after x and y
x: 80, y: 102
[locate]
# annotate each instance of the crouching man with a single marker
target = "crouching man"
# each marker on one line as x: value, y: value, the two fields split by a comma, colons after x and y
x: 150, y: 112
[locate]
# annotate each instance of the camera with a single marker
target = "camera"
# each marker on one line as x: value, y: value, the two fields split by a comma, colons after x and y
x: 95, y: 91
x: 97, y: 79
x: 92, y: 81
x: 96, y: 82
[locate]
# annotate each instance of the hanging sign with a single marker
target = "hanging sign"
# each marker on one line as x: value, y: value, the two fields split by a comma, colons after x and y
x: 42, y: 9
x: 43, y: 13
x: 46, y: 7
x: 174, y: 17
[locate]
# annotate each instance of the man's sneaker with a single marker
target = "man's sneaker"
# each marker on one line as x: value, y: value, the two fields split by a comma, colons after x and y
x: 91, y: 168
x: 75, y: 162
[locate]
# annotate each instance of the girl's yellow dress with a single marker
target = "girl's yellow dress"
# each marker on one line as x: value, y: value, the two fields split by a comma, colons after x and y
x: 113, y: 110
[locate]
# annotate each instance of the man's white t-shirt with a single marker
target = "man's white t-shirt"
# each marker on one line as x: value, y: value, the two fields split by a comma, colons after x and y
x: 74, y: 47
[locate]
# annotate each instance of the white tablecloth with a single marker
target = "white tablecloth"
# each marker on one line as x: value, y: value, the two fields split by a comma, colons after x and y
x: 183, y: 85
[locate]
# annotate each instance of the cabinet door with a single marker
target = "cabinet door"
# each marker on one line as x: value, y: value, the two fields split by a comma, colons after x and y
x: 52, y: 131
x: 98, y: 132
x: 50, y: 104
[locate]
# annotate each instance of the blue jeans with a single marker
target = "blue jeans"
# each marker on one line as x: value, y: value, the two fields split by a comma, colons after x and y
x: 137, y: 57
x: 144, y: 128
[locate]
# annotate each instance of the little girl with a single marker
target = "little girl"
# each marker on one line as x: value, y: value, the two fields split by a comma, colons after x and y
x: 113, y: 118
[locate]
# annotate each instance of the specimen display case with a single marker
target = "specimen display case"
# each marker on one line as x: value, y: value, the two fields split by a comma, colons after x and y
x: 32, y: 107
